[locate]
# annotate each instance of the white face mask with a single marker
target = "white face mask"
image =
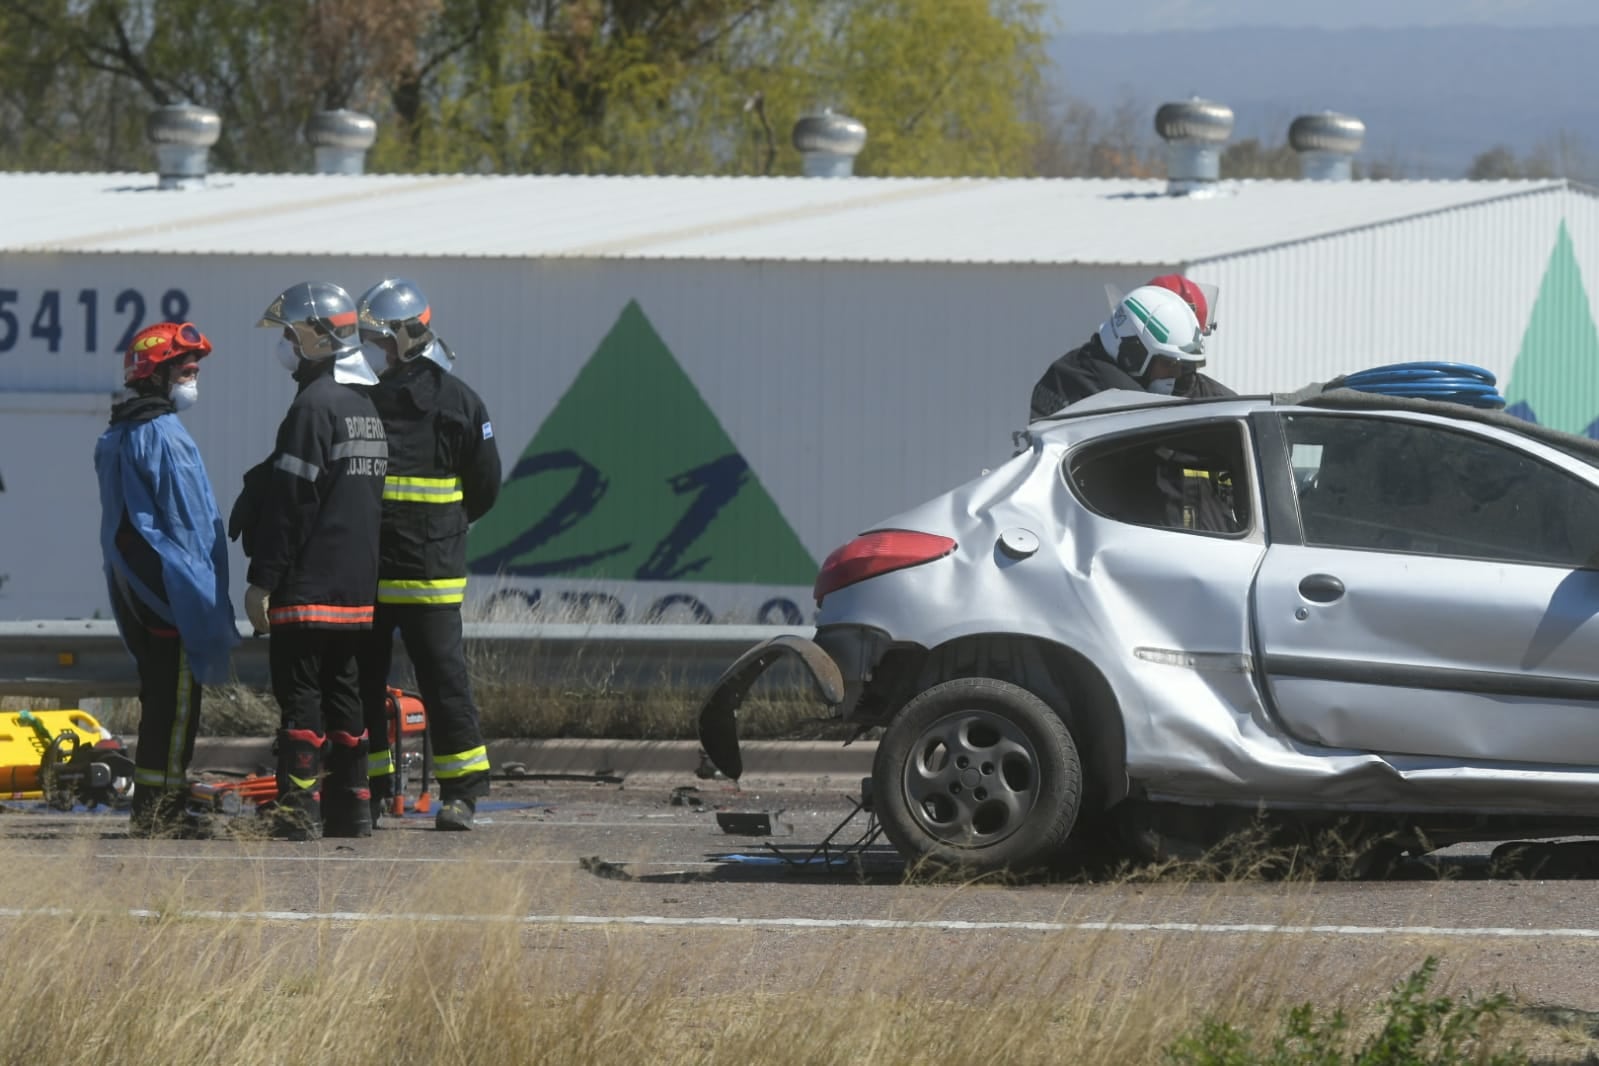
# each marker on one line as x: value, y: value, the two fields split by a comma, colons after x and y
x: 184, y: 393
x: 287, y: 355
x: 376, y: 355
x: 1163, y: 386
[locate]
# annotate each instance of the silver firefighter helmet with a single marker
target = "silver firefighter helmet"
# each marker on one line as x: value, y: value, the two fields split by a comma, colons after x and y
x: 317, y: 317
x: 395, y: 314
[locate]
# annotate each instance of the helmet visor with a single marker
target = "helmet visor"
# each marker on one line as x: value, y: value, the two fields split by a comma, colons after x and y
x: 1164, y: 366
x: 1212, y: 293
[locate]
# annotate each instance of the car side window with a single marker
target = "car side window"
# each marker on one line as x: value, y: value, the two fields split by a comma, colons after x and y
x: 1191, y: 478
x: 1390, y: 485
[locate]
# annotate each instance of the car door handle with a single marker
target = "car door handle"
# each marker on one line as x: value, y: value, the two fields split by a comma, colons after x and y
x: 1321, y: 588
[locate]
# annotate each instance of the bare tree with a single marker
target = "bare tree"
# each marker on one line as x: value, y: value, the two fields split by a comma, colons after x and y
x: 1564, y: 155
x: 1249, y: 158
x: 1076, y: 141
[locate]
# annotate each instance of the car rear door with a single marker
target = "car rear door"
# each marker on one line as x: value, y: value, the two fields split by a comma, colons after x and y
x: 1433, y: 591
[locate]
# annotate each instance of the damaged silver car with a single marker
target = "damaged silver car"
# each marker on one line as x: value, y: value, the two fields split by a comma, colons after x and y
x: 1162, y: 616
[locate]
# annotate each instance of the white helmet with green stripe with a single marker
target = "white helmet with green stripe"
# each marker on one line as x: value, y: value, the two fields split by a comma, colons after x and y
x: 1149, y: 323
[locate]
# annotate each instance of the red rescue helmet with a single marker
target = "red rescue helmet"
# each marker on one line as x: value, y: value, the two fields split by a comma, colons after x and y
x: 1202, y: 298
x: 161, y: 343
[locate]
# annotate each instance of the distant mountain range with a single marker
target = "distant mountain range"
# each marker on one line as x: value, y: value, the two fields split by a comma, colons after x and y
x: 1431, y: 98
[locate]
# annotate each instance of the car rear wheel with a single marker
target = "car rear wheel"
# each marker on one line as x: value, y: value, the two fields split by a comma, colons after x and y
x: 975, y: 776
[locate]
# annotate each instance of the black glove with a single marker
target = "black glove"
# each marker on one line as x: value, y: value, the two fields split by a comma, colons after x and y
x: 246, y: 511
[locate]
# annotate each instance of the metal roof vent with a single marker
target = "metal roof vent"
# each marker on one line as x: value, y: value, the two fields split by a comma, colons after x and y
x: 341, y: 139
x: 1194, y: 131
x: 830, y: 142
x: 1326, y: 144
x: 183, y: 135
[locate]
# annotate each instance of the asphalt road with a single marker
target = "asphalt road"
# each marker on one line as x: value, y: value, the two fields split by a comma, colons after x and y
x: 583, y: 864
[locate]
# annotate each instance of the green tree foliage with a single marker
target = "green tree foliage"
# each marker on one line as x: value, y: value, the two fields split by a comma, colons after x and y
x: 714, y: 86
x: 56, y: 112
x: 528, y: 86
x: 263, y: 65
x: 1495, y: 164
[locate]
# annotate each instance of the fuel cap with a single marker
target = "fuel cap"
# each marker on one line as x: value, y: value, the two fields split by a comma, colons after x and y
x: 1018, y: 543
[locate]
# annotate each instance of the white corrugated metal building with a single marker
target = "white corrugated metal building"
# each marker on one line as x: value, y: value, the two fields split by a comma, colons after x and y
x: 709, y: 383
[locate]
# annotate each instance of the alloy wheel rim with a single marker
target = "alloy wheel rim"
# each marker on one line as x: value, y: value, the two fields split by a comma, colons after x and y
x: 972, y: 779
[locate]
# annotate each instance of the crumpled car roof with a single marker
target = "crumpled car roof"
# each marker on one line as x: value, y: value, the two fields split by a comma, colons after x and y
x: 1331, y: 395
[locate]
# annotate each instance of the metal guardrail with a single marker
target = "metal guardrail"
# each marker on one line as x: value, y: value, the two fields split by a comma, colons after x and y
x: 70, y: 660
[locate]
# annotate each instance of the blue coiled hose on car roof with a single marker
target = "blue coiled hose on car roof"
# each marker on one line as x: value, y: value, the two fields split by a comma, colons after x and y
x: 1449, y: 382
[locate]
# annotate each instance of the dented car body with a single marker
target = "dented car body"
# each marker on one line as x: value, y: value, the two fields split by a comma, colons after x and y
x: 1395, y: 620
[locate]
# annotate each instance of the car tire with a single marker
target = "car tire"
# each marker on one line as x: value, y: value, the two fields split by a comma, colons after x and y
x: 977, y: 776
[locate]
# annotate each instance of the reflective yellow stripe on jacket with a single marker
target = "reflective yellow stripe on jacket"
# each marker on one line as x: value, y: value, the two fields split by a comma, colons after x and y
x: 422, y: 489
x: 442, y: 590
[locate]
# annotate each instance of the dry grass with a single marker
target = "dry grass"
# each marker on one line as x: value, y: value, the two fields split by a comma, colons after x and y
x: 472, y: 982
x: 596, y: 700
x: 513, y: 707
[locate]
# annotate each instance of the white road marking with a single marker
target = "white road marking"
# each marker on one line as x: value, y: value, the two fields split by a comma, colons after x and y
x: 387, y: 859
x: 685, y: 824
x: 416, y: 824
x: 390, y: 860
x: 715, y: 922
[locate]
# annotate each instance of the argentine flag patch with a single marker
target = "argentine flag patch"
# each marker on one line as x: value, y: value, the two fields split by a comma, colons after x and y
x: 488, y: 430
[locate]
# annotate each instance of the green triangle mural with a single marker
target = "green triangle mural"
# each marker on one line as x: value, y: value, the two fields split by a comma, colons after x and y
x: 1555, y: 378
x: 632, y: 477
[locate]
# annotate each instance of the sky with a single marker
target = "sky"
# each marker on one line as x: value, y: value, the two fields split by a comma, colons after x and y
x: 1435, y: 81
x: 1132, y: 16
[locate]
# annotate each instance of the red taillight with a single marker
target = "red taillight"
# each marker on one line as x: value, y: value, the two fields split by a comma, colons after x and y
x: 878, y: 553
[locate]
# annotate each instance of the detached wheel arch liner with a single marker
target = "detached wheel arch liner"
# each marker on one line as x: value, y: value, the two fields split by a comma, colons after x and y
x: 718, y: 718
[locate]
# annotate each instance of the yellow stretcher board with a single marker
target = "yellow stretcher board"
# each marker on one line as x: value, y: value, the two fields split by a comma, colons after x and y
x: 22, y: 745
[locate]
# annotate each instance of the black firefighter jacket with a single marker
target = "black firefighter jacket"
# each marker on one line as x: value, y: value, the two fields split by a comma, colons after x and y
x: 310, y: 513
x: 1194, y: 491
x: 1084, y: 371
x: 444, y: 473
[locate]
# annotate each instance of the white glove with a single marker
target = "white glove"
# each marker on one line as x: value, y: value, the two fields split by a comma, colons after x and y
x: 255, y: 606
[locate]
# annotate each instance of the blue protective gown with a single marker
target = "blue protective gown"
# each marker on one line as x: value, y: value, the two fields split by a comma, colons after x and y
x: 151, y: 471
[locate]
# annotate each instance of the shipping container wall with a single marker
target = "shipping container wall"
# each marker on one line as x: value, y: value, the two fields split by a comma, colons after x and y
x: 1511, y: 286
x: 681, y: 440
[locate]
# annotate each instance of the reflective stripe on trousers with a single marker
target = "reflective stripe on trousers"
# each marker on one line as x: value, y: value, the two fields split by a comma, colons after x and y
x: 473, y: 761
x: 174, y: 774
x: 442, y: 590
x: 422, y: 489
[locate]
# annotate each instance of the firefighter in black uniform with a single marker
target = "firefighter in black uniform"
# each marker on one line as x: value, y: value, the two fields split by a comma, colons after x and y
x: 1152, y: 342
x: 444, y: 473
x: 1098, y: 365
x: 310, y: 516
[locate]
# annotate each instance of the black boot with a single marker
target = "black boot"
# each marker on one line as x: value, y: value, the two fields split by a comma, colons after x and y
x: 347, y: 799
x: 458, y: 801
x: 382, y: 801
x: 456, y: 813
x: 297, y: 812
x: 160, y: 814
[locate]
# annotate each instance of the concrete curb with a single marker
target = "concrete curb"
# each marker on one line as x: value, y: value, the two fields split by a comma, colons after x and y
x: 767, y: 763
